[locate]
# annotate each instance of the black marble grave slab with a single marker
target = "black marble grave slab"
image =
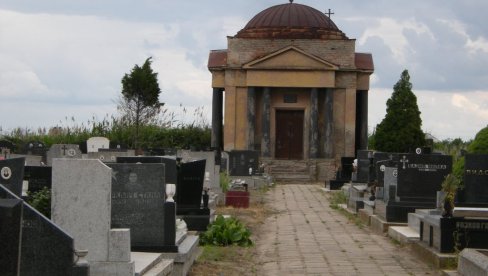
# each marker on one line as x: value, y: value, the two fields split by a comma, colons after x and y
x: 46, y: 249
x: 397, y: 211
x: 190, y: 184
x: 365, y: 164
x: 170, y: 163
x: 420, y: 176
x: 30, y: 244
x: 35, y: 148
x: 475, y: 192
x: 241, y: 160
x: 38, y: 177
x: 378, y: 157
x: 346, y: 168
x: 458, y: 233
x: 380, y: 171
x: 10, y: 232
x: 138, y: 196
x: 12, y: 174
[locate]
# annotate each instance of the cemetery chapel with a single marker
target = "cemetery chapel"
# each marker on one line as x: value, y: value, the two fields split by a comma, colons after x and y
x: 291, y: 86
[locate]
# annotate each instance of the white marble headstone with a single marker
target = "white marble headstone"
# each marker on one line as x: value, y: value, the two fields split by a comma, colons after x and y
x: 95, y: 143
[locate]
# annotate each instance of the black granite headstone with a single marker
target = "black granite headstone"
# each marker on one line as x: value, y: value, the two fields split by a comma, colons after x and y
x: 378, y: 157
x: 46, y: 249
x: 346, y: 168
x: 138, y: 196
x: 241, y: 160
x: 380, y: 170
x: 190, y: 184
x: 30, y: 244
x: 35, y: 148
x: 420, y: 176
x: 7, y: 145
x: 10, y: 232
x: 12, y: 174
x: 365, y: 163
x: 38, y: 177
x: 475, y: 192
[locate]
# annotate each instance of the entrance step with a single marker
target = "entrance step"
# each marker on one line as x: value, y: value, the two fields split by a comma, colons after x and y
x: 292, y: 171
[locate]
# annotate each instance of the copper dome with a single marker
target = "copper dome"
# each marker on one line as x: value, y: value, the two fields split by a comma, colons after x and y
x: 291, y: 21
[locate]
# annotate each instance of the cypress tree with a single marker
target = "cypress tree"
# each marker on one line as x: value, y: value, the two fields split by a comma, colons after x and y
x: 400, y: 130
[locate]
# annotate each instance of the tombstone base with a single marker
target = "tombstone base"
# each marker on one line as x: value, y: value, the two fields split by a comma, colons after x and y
x: 447, y: 234
x: 195, y: 219
x: 336, y: 184
x: 393, y: 211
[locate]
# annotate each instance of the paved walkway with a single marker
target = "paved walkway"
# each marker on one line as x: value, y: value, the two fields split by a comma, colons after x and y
x: 307, y: 237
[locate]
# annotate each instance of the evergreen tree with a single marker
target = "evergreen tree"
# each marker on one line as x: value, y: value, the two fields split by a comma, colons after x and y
x: 139, y: 103
x: 400, y: 130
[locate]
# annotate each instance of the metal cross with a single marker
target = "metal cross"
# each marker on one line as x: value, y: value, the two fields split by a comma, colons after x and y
x: 329, y: 13
x: 404, y: 161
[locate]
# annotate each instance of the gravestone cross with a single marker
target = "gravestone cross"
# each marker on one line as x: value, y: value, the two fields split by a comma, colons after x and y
x: 64, y: 148
x: 404, y: 161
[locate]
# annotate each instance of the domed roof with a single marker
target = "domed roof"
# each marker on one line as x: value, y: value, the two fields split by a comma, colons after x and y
x: 291, y: 21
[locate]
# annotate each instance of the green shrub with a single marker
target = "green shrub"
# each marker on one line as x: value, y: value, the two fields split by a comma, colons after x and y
x: 226, y: 231
x: 41, y: 201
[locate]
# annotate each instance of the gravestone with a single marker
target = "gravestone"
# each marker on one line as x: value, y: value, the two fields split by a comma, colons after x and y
x: 241, y: 160
x: 365, y: 163
x: 35, y: 148
x: 189, y: 187
x: 7, y: 147
x: 31, y: 244
x: 12, y: 174
x: 475, y: 192
x: 170, y: 163
x: 117, y: 146
x: 70, y: 151
x: 380, y: 170
x: 10, y: 230
x: 107, y: 155
x: 38, y: 177
x: 209, y: 156
x: 138, y: 196
x: 419, y: 177
x: 379, y: 157
x: 81, y: 204
x: 93, y: 144
x: 189, y: 195
x: 468, y: 228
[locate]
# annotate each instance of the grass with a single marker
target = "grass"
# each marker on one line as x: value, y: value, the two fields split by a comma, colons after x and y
x: 235, y: 260
x: 337, y: 198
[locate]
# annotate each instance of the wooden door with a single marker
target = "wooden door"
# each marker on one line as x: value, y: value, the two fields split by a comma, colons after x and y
x: 289, y: 134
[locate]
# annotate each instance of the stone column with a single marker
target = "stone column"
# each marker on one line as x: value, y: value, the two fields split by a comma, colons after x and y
x: 251, y: 117
x: 363, y: 131
x: 329, y: 124
x: 216, y: 139
x: 314, y: 123
x: 266, y: 117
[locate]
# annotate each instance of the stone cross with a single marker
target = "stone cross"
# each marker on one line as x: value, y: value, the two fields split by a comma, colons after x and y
x: 404, y: 161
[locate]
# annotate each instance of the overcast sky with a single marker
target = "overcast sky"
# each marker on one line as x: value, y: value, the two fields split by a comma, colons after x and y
x: 61, y: 59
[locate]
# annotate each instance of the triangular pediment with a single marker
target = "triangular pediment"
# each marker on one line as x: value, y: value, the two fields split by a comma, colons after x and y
x: 290, y: 58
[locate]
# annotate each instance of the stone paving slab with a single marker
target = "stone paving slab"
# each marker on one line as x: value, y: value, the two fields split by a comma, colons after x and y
x: 307, y: 237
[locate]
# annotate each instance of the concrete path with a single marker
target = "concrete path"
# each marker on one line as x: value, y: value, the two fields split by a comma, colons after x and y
x: 307, y: 237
